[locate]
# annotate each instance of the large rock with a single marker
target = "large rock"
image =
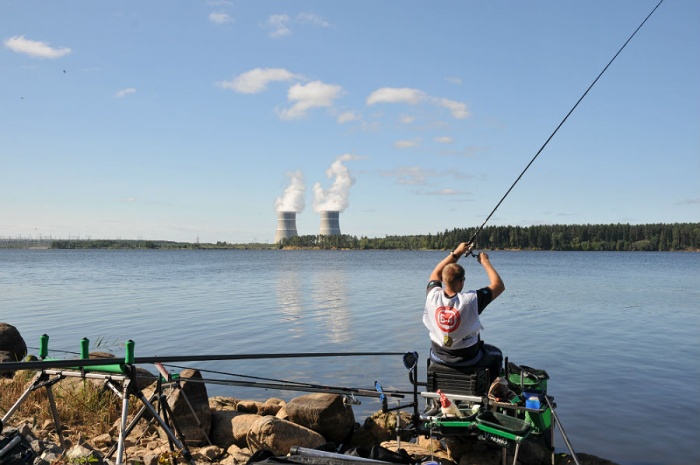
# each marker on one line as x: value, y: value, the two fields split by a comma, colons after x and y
x: 327, y: 414
x: 12, y: 346
x: 191, y: 392
x: 240, y: 426
x: 221, y: 432
x: 382, y: 425
x: 278, y: 436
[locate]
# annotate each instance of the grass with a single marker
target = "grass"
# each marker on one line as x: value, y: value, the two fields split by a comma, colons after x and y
x: 84, y: 407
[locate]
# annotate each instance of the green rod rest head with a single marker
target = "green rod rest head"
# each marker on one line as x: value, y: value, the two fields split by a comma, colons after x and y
x: 85, y: 348
x: 43, y: 346
x: 129, y: 356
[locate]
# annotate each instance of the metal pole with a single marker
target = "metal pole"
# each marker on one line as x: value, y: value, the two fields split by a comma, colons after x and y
x: 561, y: 429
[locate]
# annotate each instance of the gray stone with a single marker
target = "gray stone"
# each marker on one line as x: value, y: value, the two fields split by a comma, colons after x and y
x: 196, y: 393
x: 327, y: 414
x: 278, y: 436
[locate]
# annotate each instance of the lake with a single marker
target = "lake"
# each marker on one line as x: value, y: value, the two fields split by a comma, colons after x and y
x: 618, y: 333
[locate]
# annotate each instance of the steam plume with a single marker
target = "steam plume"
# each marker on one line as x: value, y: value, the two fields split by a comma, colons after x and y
x: 336, y: 197
x: 293, y: 198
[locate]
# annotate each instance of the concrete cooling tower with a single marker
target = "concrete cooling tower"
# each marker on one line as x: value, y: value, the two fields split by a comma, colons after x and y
x: 286, y: 225
x: 330, y: 223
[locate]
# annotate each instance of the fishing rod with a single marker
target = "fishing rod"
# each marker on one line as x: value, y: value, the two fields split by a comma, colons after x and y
x: 98, y: 362
x: 293, y: 386
x: 287, y: 385
x: 471, y: 241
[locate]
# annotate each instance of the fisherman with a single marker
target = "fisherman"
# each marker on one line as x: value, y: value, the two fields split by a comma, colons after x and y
x: 452, y: 315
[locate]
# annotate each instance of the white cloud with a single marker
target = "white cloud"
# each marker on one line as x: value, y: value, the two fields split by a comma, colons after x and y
x: 446, y: 191
x: 34, y: 48
x: 454, y: 80
x: 350, y: 157
x: 278, y: 26
x: 220, y: 18
x: 411, y: 175
x: 443, y: 140
x: 125, y: 92
x: 396, y: 95
x: 458, y: 109
x: 407, y: 119
x: 307, y: 96
x: 256, y: 80
x: 348, y: 117
x: 407, y: 144
x: 313, y: 19
x: 413, y: 97
x: 281, y: 25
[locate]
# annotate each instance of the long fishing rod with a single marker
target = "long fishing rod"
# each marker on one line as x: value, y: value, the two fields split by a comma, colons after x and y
x: 93, y: 362
x: 283, y: 384
x: 293, y: 386
x: 471, y: 241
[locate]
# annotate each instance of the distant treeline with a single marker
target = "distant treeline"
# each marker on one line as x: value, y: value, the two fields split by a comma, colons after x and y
x: 148, y: 244
x: 614, y: 237
x: 619, y: 237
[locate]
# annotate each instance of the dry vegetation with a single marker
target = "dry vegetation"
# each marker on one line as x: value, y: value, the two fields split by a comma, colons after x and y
x: 84, y: 407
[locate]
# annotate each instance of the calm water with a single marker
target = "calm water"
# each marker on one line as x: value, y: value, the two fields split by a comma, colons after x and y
x: 617, y: 332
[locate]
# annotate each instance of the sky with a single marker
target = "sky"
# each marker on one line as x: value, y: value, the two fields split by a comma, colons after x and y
x: 201, y: 120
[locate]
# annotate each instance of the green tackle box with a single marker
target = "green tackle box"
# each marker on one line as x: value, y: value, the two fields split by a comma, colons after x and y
x: 527, y: 379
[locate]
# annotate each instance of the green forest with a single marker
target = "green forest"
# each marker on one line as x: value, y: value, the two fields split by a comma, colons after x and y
x: 608, y: 237
x: 611, y: 237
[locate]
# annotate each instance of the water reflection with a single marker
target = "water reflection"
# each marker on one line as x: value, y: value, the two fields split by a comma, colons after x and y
x: 289, y: 299
x: 330, y: 304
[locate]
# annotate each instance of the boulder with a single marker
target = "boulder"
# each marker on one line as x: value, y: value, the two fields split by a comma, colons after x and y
x: 327, y: 414
x: 192, y: 393
x: 278, y: 436
x: 221, y: 432
x: 271, y: 406
x: 223, y: 403
x: 240, y: 426
x: 236, y: 455
x: 382, y: 425
x: 12, y: 346
x: 420, y: 452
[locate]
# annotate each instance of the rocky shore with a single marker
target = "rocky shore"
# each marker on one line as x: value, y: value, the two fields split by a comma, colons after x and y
x: 231, y: 431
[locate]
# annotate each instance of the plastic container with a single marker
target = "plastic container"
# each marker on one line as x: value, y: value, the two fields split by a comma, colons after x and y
x: 532, y: 401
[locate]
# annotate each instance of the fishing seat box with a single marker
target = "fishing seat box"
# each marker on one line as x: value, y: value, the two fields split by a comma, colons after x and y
x: 469, y: 381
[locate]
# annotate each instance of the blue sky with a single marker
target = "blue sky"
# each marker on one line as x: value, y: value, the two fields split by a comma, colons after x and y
x: 198, y: 120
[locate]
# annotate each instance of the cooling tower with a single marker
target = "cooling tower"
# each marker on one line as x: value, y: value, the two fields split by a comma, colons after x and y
x: 286, y: 225
x: 330, y: 224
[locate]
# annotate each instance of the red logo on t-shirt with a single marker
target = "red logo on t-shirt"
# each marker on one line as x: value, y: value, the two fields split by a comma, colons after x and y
x: 447, y: 319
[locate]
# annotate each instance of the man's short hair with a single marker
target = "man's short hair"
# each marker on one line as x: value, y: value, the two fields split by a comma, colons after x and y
x: 452, y: 274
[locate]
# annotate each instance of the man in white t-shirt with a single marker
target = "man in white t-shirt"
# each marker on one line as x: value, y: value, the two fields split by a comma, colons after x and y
x: 452, y: 314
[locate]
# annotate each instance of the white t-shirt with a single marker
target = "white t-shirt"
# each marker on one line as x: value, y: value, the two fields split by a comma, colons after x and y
x: 453, y: 322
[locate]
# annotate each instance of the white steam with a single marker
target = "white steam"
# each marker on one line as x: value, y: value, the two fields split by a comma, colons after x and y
x: 293, y: 198
x: 336, y: 197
